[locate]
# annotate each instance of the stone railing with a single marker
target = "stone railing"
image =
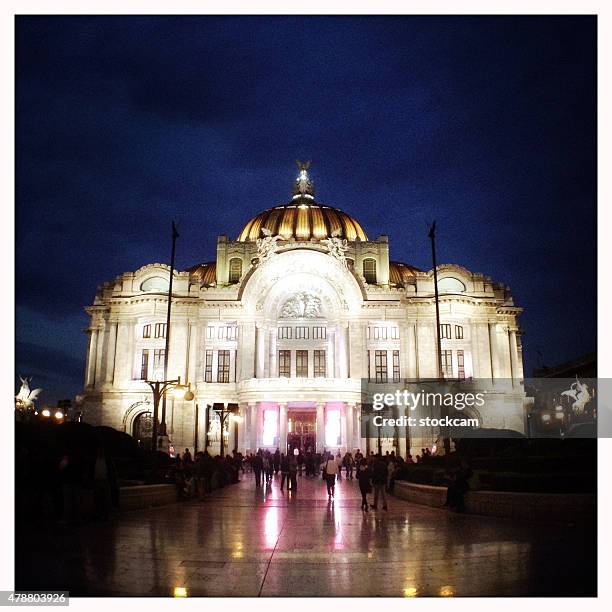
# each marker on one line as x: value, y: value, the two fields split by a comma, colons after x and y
x: 509, y: 504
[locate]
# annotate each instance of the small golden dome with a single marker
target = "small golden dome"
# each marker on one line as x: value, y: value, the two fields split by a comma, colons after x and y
x: 303, y: 219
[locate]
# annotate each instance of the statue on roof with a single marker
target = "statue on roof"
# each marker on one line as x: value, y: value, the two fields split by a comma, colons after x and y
x: 303, y: 185
x: 337, y: 247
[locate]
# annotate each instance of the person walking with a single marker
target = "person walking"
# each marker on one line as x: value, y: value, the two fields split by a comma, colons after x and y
x: 364, y: 476
x: 331, y: 469
x: 284, y: 469
x: 293, y: 469
x: 379, y: 480
x: 257, y: 464
x: 277, y: 460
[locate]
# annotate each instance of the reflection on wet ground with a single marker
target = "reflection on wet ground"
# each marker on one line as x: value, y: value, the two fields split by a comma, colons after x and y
x: 247, y: 542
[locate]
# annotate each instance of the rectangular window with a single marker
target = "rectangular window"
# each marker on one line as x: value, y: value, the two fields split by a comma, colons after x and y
x: 447, y: 363
x: 460, y: 364
x: 160, y: 330
x: 319, y: 333
x: 284, y: 364
x: 459, y: 332
x: 208, y: 366
x: 319, y: 364
x: 270, y: 427
x: 285, y: 333
x: 301, y: 333
x: 395, y: 333
x: 223, y: 367
x: 235, y: 270
x: 380, y: 366
x: 301, y: 364
x: 369, y: 271
x: 144, y: 365
x: 380, y: 333
x: 332, y: 428
x: 146, y: 331
x: 210, y: 332
x: 396, y: 367
x: 221, y: 332
x: 158, y: 358
x: 232, y: 332
x: 445, y: 330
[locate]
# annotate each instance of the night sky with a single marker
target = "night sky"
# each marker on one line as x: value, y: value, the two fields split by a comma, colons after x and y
x: 486, y: 124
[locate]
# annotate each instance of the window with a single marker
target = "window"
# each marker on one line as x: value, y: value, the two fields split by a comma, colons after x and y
x: 284, y: 363
x: 144, y: 365
x: 210, y: 332
x: 235, y: 269
x: 369, y: 271
x: 285, y: 333
x: 380, y: 333
x: 301, y: 364
x: 146, y: 331
x: 445, y: 330
x: 447, y: 363
x: 208, y: 366
x: 160, y: 330
x: 227, y: 332
x: 396, y: 367
x: 223, y: 367
x: 319, y: 333
x: 395, y: 333
x: 158, y: 363
x: 319, y: 364
x: 460, y: 364
x: 380, y: 366
x: 301, y: 333
x: 459, y: 332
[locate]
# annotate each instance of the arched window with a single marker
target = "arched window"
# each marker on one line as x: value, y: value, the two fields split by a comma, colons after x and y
x: 235, y: 269
x: 369, y: 270
x: 450, y: 285
x: 155, y: 284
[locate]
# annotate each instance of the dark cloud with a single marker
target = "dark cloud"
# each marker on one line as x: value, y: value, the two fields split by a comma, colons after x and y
x: 485, y: 123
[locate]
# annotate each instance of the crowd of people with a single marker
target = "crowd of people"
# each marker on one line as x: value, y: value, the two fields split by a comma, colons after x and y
x: 199, y: 475
x: 376, y: 473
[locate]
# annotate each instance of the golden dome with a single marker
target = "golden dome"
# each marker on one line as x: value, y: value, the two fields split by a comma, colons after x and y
x: 303, y: 219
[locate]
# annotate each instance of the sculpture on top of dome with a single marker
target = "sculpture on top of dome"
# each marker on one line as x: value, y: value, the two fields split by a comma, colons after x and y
x: 303, y: 185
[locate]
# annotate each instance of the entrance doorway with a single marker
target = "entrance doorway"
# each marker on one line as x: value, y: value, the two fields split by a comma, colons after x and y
x: 142, y: 430
x: 301, y: 431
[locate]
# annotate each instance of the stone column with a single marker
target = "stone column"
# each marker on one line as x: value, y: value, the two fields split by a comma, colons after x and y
x: 411, y: 357
x: 260, y: 348
x: 282, y: 427
x: 90, y: 367
x: 514, y: 361
x: 329, y: 356
x: 192, y: 355
x: 320, y: 426
x: 110, y: 353
x: 273, y: 373
x: 342, y: 351
x: 343, y: 428
x: 493, y: 350
x: 254, y: 426
x: 350, y: 427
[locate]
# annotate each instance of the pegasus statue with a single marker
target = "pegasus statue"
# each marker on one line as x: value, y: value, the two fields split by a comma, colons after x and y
x: 24, y: 400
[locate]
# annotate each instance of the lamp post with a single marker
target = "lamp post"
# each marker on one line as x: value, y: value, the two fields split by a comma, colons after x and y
x: 175, y: 235
x: 159, y: 388
x: 224, y: 412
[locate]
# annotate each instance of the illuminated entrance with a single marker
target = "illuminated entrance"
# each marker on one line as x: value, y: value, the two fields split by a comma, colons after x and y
x: 301, y: 431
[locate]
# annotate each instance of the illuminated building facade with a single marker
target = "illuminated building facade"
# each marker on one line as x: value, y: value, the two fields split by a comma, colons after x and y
x: 284, y: 326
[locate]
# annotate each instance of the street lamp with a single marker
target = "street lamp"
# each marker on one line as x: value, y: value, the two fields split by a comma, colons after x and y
x: 224, y: 412
x: 159, y: 388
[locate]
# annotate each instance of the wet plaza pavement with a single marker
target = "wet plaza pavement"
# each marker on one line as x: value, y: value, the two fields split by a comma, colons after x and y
x: 247, y: 542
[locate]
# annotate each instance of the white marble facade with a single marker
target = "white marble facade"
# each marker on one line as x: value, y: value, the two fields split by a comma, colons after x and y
x: 289, y: 319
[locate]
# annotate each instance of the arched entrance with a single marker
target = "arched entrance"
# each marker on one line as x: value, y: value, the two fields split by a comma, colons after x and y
x: 142, y: 429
